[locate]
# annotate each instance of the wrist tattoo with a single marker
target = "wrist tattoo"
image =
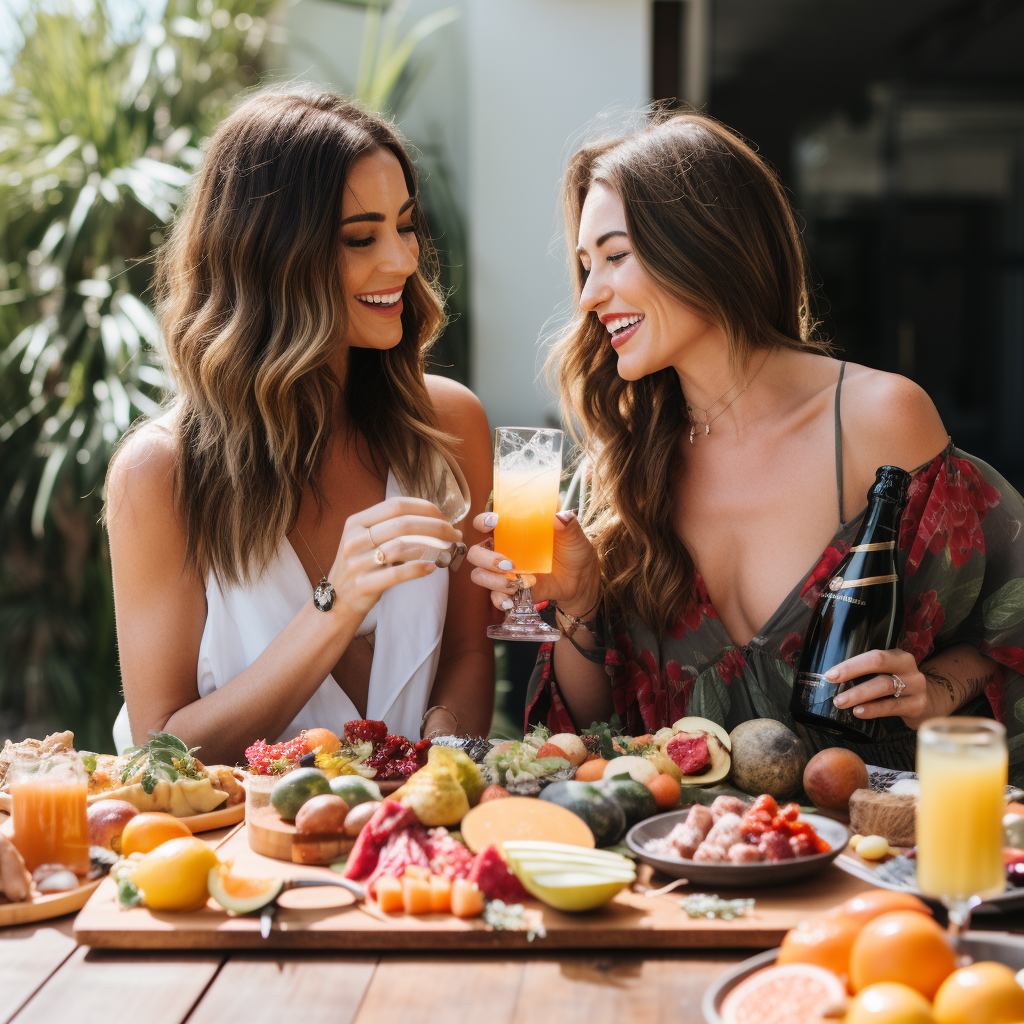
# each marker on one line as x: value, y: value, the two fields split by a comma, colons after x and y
x: 937, y: 678
x: 960, y: 690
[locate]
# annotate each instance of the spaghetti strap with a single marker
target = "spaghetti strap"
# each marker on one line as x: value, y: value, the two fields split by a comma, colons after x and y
x: 839, y: 445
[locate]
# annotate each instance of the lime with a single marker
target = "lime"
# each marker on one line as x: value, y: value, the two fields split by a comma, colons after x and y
x: 354, y: 789
x: 296, y: 788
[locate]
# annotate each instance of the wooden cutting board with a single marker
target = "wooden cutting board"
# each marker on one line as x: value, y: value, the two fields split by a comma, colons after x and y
x: 331, y: 919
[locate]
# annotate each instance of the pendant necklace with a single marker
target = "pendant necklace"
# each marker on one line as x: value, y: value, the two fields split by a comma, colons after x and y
x: 707, y: 422
x: 324, y: 594
x: 707, y: 426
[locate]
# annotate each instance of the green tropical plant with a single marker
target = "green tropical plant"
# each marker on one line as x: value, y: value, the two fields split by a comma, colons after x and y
x: 92, y: 160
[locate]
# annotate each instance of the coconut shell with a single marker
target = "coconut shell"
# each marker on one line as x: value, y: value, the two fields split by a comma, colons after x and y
x: 889, y: 815
x: 767, y: 758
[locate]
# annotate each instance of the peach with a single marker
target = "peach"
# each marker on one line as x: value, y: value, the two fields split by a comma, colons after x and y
x: 831, y: 777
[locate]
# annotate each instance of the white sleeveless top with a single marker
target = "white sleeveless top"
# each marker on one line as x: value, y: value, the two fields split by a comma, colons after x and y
x: 241, y: 622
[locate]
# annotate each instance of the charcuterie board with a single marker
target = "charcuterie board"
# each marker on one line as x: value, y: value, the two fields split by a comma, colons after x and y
x: 332, y: 919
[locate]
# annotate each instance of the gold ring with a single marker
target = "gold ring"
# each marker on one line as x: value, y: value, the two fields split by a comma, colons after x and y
x: 898, y: 686
x: 379, y: 557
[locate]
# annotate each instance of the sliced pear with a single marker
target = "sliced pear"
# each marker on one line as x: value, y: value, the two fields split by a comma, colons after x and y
x: 573, y: 890
x: 705, y: 725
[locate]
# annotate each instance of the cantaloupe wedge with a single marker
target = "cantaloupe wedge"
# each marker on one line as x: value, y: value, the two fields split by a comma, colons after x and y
x: 440, y: 894
x: 467, y: 899
x: 415, y: 894
x: 389, y: 894
x: 416, y: 871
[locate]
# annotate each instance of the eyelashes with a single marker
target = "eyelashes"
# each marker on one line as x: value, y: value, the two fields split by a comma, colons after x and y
x: 362, y: 243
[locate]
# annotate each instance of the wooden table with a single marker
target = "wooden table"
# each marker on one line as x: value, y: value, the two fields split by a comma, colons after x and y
x: 46, y: 979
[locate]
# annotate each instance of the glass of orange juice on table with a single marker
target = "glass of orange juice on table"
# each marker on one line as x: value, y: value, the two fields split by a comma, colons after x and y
x: 48, y: 811
x: 962, y: 766
x: 527, y: 472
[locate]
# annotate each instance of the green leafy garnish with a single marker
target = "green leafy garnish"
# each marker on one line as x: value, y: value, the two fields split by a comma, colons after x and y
x: 128, y: 894
x: 702, y: 904
x: 88, y: 760
x: 604, y: 732
x: 166, y: 758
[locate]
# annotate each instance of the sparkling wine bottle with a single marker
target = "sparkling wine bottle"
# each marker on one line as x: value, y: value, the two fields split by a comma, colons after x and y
x: 860, y: 609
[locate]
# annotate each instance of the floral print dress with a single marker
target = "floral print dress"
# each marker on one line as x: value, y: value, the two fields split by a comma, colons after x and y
x: 961, y: 551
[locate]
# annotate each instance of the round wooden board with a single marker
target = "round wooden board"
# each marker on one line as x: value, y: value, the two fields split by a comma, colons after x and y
x: 270, y: 836
x: 220, y: 818
x: 523, y: 817
x: 42, y: 908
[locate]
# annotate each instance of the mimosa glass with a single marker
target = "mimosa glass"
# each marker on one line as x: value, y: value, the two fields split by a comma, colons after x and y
x: 48, y: 811
x: 527, y: 472
x: 962, y: 766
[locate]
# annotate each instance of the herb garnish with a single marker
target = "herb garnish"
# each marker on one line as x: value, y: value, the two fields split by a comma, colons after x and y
x: 167, y: 759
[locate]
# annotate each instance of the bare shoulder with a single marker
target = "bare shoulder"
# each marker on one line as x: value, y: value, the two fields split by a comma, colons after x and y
x: 459, y: 411
x: 888, y: 420
x: 140, y: 480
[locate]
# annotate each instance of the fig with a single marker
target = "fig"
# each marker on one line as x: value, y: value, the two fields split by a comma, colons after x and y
x: 321, y: 815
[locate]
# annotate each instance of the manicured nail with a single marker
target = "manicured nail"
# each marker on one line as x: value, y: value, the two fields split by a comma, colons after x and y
x: 488, y: 544
x: 832, y: 673
x: 505, y: 565
x: 858, y: 710
x: 840, y: 702
x: 506, y: 605
x: 491, y: 520
x: 567, y: 516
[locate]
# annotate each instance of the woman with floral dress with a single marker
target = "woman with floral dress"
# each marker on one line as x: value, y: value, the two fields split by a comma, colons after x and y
x: 730, y: 459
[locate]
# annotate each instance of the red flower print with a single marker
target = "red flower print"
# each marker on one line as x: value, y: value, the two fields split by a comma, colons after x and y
x: 791, y: 647
x: 832, y: 556
x: 947, y: 504
x: 698, y: 608
x: 994, y: 692
x: 678, y: 685
x: 922, y: 623
x: 1011, y: 657
x: 731, y: 666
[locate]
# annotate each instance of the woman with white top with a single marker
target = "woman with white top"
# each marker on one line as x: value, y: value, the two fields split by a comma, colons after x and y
x: 266, y: 575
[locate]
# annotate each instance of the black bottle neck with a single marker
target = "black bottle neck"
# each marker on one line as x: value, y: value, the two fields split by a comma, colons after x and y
x: 887, y: 499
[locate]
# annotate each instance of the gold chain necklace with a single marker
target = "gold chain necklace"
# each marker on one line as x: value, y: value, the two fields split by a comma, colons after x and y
x: 707, y: 422
x: 324, y: 594
x: 689, y: 408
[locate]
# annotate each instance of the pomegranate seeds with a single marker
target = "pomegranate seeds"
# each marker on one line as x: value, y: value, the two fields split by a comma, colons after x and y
x: 274, y: 759
x: 365, y: 730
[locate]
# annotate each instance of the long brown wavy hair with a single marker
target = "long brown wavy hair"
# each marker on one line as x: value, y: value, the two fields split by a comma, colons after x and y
x: 709, y: 222
x: 252, y: 308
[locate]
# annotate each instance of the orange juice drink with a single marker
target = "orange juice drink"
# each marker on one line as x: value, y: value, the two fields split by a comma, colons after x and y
x: 49, y: 820
x: 526, y: 502
x: 960, y: 819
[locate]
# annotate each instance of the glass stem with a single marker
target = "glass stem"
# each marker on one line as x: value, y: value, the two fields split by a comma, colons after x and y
x: 959, y: 912
x: 522, y: 605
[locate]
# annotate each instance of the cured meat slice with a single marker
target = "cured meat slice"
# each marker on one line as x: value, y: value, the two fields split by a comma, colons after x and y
x: 494, y: 879
x: 389, y: 818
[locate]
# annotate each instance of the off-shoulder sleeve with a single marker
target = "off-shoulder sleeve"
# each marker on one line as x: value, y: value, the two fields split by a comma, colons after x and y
x: 962, y: 547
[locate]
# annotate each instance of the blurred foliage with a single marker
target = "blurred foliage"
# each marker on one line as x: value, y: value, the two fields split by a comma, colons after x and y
x: 98, y: 133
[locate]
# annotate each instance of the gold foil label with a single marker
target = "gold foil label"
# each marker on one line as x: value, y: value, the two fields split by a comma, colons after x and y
x: 867, y: 581
x: 881, y: 545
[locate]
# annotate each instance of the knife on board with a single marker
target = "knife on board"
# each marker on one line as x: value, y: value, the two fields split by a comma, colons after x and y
x: 269, y: 912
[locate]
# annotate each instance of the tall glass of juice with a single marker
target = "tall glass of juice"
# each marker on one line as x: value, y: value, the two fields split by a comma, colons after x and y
x: 48, y: 803
x: 962, y: 765
x: 527, y: 472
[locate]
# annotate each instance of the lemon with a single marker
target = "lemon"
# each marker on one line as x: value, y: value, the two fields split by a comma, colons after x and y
x: 983, y: 993
x: 889, y: 1002
x: 174, y: 875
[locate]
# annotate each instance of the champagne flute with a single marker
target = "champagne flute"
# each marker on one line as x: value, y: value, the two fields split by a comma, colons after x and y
x: 527, y: 472
x: 962, y: 766
x: 446, y: 487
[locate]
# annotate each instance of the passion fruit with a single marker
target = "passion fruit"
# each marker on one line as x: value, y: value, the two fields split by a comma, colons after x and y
x: 832, y: 776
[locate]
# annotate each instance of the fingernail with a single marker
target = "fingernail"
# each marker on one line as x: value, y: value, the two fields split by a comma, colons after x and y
x: 505, y: 565
x: 840, y: 702
x: 491, y: 520
x: 858, y: 710
x: 506, y: 605
x: 567, y: 516
x: 832, y: 673
x: 489, y: 543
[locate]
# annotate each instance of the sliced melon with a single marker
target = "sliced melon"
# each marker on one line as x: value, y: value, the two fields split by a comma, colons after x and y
x: 519, y: 849
x: 693, y: 725
x: 573, y: 889
x: 242, y: 895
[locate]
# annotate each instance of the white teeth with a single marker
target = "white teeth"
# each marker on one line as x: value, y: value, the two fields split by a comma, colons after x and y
x: 627, y: 321
x: 381, y: 300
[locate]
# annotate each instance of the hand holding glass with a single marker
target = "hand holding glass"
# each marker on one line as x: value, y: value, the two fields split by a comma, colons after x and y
x: 527, y: 472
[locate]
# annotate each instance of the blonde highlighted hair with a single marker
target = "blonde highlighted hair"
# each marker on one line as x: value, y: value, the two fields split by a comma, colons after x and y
x: 252, y: 309
x: 709, y: 223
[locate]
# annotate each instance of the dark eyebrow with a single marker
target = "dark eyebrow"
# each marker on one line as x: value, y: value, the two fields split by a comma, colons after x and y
x: 379, y: 218
x: 604, y: 238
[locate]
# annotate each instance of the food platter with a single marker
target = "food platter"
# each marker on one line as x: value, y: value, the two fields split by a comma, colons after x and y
x: 222, y: 817
x: 1003, y: 948
x: 735, y: 875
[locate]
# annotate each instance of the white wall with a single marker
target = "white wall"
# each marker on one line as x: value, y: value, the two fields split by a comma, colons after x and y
x: 539, y: 72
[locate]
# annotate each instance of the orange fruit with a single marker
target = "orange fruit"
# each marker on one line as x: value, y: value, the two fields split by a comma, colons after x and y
x: 322, y: 738
x: 904, y: 946
x: 875, y: 902
x: 826, y: 942
x: 146, y: 832
x: 983, y: 993
x: 787, y: 994
x: 665, y: 789
x: 175, y: 876
x: 889, y: 1003
x: 591, y: 771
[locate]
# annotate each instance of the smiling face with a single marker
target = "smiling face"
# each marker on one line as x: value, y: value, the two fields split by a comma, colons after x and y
x: 380, y: 249
x: 648, y: 328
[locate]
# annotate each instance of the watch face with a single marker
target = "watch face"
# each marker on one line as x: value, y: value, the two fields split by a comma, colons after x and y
x: 323, y: 596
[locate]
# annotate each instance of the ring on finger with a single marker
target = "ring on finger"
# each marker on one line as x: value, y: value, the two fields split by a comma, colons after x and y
x: 378, y: 555
x: 898, y: 686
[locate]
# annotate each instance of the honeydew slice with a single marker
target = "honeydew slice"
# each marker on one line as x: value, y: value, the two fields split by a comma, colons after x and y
x: 557, y: 857
x: 573, y: 891
x: 549, y: 868
x: 516, y: 846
